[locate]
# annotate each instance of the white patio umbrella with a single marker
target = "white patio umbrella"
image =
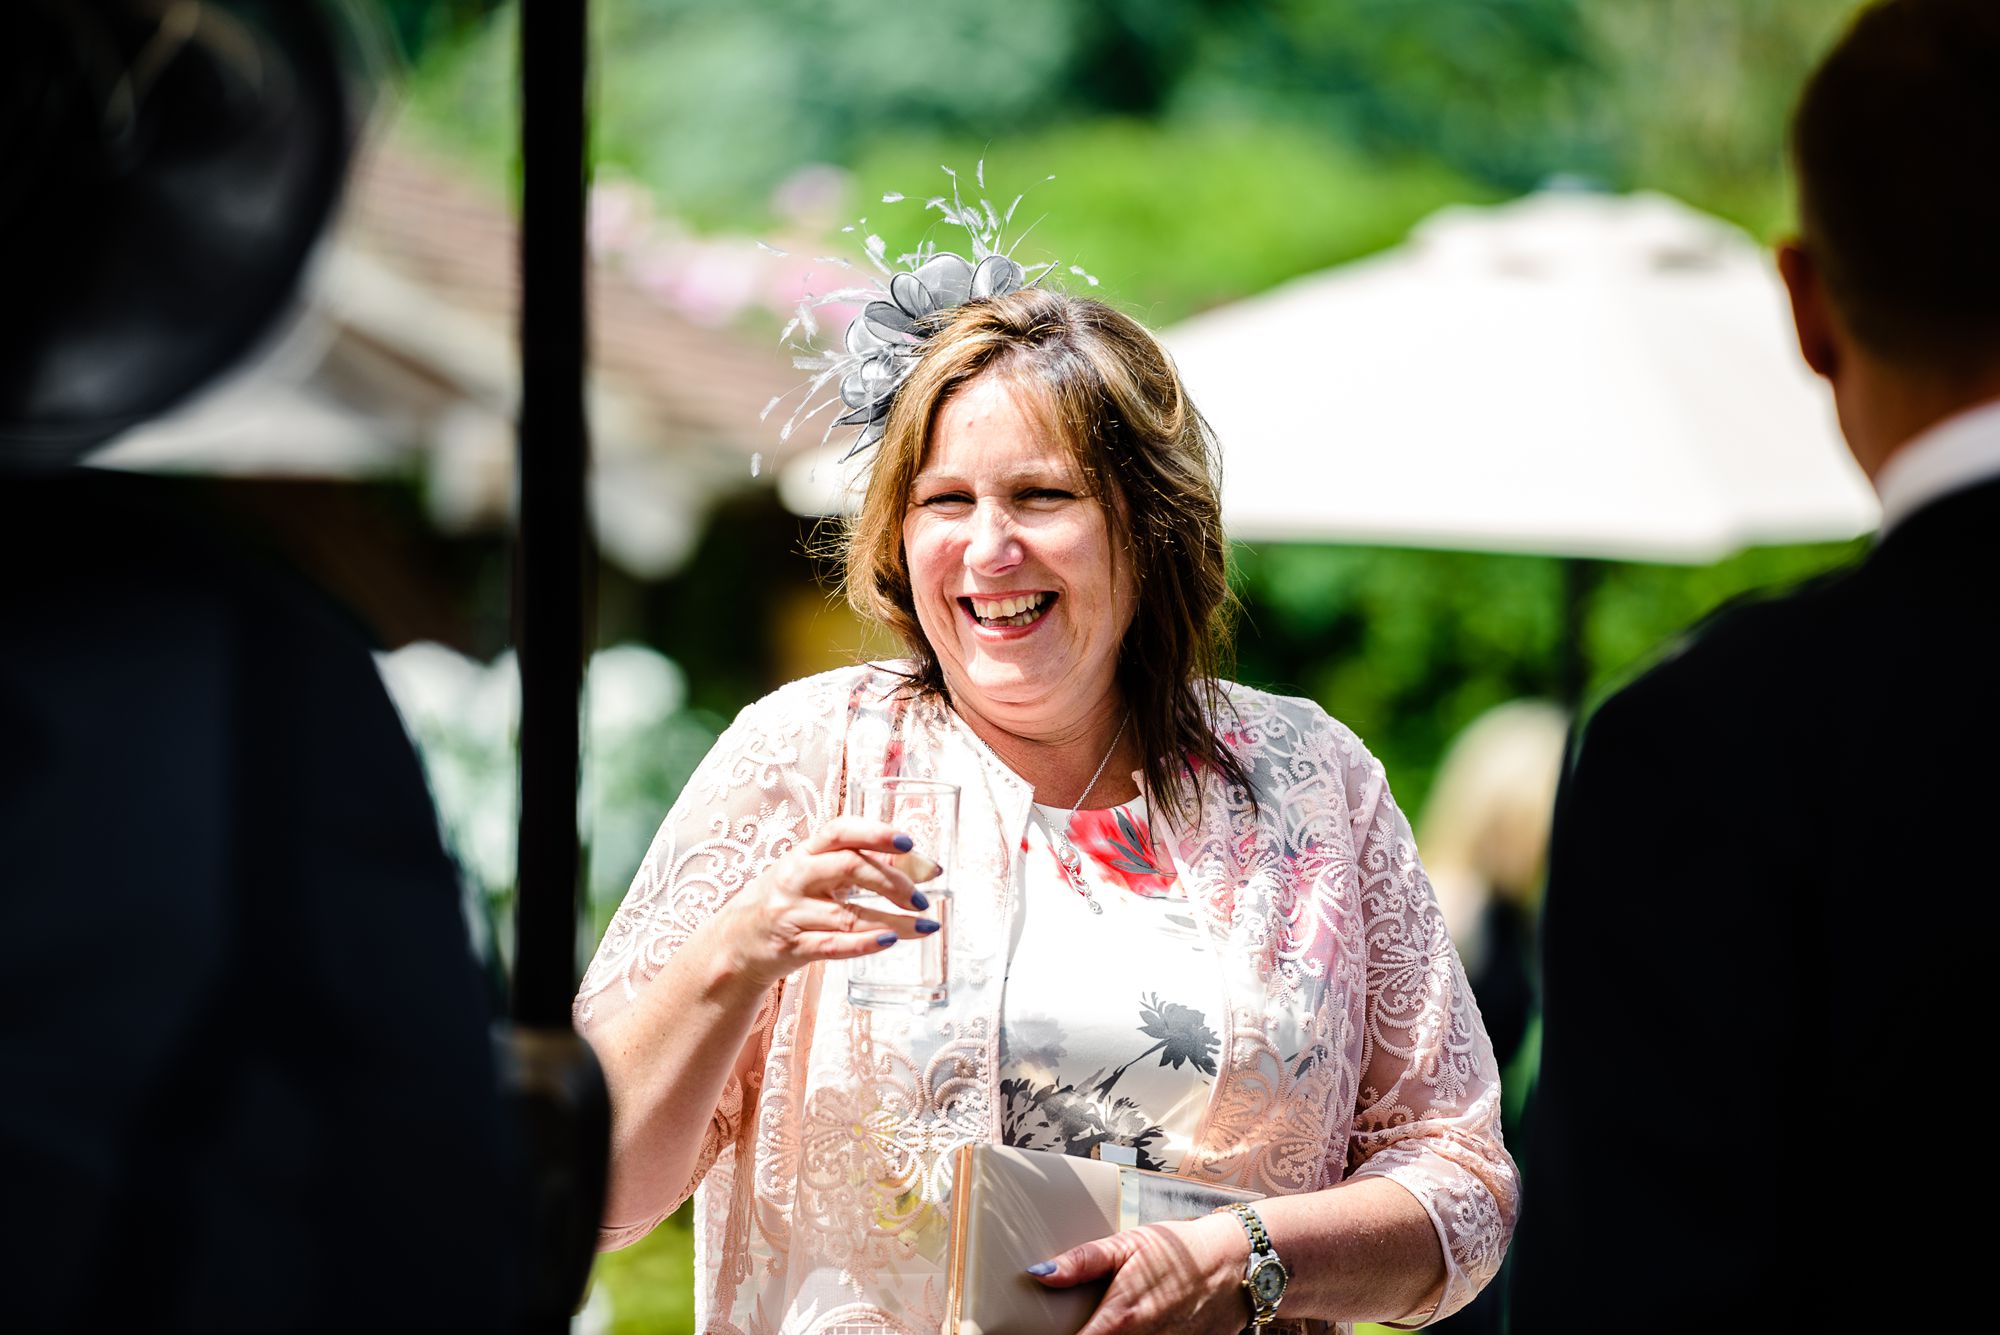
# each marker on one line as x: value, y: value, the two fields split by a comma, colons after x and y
x: 1571, y: 374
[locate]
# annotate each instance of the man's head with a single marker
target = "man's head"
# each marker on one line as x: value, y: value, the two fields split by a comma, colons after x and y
x: 1896, y: 275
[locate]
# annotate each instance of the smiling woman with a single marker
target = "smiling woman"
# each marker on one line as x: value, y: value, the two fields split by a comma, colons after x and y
x: 1189, y: 929
x: 1015, y: 581
x: 1044, y: 447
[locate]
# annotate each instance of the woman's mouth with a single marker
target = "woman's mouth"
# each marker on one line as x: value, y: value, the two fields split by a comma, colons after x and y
x: 1014, y: 610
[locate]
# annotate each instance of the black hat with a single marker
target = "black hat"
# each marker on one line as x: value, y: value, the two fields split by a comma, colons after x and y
x: 165, y: 169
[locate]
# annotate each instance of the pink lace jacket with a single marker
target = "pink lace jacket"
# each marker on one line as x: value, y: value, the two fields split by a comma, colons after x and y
x: 1352, y: 1046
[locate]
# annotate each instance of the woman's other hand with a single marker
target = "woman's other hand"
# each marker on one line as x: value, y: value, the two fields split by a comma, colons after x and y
x: 799, y: 910
x: 1183, y: 1277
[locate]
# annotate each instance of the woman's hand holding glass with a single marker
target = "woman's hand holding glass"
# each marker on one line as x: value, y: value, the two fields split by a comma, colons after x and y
x: 798, y: 913
x: 670, y: 1059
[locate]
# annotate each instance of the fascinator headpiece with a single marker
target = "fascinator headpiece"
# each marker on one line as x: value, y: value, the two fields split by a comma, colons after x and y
x: 908, y: 300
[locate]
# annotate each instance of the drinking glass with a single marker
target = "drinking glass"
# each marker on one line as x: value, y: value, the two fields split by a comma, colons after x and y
x: 915, y: 972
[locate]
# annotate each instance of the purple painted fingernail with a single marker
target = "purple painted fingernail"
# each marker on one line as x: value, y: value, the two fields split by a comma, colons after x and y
x: 928, y: 925
x: 903, y: 843
x: 918, y: 900
x: 1042, y: 1268
x: 889, y: 938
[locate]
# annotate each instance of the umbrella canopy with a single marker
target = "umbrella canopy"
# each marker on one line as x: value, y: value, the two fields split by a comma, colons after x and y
x: 1572, y: 374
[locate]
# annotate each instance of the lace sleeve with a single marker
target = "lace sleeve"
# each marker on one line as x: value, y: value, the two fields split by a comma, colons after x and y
x: 1429, y: 1108
x: 770, y: 780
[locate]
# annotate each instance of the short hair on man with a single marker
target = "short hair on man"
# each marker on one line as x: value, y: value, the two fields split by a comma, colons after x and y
x: 1897, y: 145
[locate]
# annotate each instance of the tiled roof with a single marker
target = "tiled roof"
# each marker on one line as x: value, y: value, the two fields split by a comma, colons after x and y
x: 454, y: 238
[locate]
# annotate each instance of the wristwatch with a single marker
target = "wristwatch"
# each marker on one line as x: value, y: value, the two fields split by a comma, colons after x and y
x: 1264, y: 1275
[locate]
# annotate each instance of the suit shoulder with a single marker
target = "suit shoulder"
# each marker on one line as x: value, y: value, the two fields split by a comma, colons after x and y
x: 1743, y: 664
x: 1753, y: 631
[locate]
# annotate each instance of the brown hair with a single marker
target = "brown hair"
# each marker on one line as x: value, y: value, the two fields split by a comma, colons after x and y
x: 1111, y: 395
x: 1897, y: 145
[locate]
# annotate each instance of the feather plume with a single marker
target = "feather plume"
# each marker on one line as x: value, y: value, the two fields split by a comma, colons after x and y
x: 854, y: 380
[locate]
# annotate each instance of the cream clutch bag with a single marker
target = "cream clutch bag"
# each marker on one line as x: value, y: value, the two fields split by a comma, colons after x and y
x: 1012, y: 1208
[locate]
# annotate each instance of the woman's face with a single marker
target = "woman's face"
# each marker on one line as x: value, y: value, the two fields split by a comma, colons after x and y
x: 1012, y: 569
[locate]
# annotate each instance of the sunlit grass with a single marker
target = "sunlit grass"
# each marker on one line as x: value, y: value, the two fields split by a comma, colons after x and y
x: 651, y: 1283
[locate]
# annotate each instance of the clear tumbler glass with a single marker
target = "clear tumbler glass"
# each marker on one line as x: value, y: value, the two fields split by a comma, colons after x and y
x: 913, y: 973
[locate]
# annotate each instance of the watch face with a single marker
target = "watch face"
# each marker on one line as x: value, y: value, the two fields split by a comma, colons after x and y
x: 1267, y: 1281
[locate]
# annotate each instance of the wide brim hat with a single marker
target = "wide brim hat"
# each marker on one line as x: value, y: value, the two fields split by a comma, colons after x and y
x: 165, y: 172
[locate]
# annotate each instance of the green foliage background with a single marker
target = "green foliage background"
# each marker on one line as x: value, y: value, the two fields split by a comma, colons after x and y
x: 713, y: 105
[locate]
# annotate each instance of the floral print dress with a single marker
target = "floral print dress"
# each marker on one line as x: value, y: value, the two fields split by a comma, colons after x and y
x: 1349, y: 1046
x: 1110, y: 1020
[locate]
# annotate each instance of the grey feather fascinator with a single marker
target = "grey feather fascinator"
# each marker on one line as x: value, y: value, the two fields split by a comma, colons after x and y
x: 904, y: 302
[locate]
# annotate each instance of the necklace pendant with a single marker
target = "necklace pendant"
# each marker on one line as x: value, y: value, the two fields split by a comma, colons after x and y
x: 1071, y: 863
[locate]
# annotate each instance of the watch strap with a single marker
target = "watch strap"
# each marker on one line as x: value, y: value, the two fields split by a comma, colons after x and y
x: 1262, y: 1311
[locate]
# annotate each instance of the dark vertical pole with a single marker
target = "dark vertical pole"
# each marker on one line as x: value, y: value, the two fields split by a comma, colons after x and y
x: 554, y: 557
x: 548, y: 1073
x: 1580, y: 578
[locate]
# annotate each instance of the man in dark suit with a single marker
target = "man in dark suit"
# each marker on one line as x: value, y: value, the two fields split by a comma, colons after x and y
x: 245, y: 1074
x: 1770, y: 916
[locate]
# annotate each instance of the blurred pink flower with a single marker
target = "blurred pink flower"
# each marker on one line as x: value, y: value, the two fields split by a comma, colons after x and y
x: 711, y: 282
x: 811, y: 196
x: 621, y: 216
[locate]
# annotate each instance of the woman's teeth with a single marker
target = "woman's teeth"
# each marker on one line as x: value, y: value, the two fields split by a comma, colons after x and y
x: 1018, y: 611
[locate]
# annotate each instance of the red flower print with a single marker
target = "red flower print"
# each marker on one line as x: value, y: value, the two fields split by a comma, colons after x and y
x: 1125, y: 851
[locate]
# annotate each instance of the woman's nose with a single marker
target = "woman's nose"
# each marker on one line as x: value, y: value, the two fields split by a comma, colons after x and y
x: 993, y: 548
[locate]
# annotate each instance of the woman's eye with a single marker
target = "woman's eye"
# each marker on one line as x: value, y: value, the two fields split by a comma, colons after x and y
x: 1049, y: 494
x: 945, y: 498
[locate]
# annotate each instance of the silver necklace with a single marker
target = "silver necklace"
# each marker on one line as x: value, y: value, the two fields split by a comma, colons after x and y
x: 1067, y: 857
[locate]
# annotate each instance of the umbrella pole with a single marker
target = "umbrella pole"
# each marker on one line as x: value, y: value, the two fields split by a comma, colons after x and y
x: 548, y: 1074
x: 1580, y: 578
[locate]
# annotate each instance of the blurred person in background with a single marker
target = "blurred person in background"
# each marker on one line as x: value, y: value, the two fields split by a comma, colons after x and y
x: 1485, y: 836
x: 248, y: 1076
x: 1189, y: 928
x: 1484, y: 832
x: 1769, y: 922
